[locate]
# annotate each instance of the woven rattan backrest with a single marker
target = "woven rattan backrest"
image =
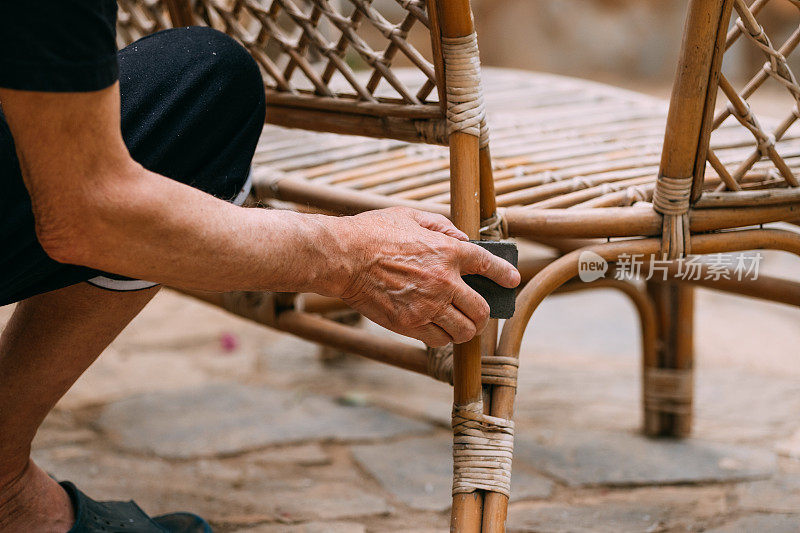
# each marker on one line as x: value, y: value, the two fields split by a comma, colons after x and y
x: 717, y: 152
x: 366, y: 67
x: 137, y: 18
x: 767, y: 160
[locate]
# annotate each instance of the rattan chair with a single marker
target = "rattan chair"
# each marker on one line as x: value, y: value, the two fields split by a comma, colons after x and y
x: 576, y: 164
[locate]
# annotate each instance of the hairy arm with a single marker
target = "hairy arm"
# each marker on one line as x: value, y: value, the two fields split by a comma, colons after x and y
x: 95, y: 206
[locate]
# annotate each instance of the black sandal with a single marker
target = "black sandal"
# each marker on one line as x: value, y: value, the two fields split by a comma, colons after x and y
x: 126, y: 517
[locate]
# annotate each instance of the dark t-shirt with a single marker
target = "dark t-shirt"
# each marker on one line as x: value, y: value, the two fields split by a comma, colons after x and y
x: 58, y: 45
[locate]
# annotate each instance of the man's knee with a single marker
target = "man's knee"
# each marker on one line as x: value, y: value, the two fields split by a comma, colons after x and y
x: 193, y: 107
x: 229, y: 68
x: 234, y: 81
x: 222, y: 70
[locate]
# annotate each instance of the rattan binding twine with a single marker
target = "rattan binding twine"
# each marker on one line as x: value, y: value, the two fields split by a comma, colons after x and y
x: 483, y: 447
x: 465, y: 109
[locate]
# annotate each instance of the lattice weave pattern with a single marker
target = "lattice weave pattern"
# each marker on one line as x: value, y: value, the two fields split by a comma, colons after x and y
x: 314, y: 47
x: 483, y: 447
x: 311, y: 46
x: 751, y: 173
x: 137, y: 18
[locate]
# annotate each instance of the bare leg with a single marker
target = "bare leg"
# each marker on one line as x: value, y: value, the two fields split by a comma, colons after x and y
x: 49, y: 342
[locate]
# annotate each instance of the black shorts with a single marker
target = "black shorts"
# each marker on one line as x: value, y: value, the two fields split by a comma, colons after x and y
x: 192, y: 109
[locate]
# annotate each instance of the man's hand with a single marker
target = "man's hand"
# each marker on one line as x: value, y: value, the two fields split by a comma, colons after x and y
x: 405, y: 269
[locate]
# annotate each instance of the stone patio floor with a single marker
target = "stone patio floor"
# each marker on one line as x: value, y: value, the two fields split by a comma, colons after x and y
x: 193, y: 409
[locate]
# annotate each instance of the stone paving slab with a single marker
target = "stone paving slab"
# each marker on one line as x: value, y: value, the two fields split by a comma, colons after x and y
x: 591, y: 458
x: 235, y: 491
x: 303, y: 454
x: 230, y: 419
x: 156, y: 485
x: 419, y: 472
x: 330, y: 501
x: 768, y: 523
x: 645, y: 510
x: 778, y: 495
x: 116, y: 376
x: 790, y: 447
x: 589, y: 519
x: 61, y: 428
x: 309, y: 527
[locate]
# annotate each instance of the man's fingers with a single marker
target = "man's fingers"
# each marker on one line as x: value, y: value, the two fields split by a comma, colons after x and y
x: 472, y: 304
x: 476, y: 260
x: 432, y: 335
x: 457, y: 325
x: 440, y: 223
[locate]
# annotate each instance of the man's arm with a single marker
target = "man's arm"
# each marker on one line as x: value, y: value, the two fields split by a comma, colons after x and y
x: 95, y: 206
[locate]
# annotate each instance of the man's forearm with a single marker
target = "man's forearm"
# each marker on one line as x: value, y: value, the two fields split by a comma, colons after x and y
x: 150, y: 227
x: 94, y: 206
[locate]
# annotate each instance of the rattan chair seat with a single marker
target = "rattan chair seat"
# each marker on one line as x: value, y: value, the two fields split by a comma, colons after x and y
x: 557, y: 142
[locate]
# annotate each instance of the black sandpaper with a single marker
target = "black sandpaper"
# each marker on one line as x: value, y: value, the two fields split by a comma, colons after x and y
x: 500, y: 299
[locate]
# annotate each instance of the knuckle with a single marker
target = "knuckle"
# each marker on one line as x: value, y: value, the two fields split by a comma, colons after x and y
x: 444, y: 245
x: 449, y: 248
x: 483, y: 314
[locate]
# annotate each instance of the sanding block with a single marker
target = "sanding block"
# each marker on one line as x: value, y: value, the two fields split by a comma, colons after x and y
x: 500, y: 299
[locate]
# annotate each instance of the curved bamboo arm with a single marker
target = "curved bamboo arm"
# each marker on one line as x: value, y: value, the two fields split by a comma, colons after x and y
x: 565, y: 268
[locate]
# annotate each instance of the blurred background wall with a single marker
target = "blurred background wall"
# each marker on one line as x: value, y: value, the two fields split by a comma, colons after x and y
x: 632, y: 43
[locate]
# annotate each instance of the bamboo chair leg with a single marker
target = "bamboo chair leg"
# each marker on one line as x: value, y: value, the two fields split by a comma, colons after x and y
x: 456, y: 23
x: 545, y: 282
x: 488, y: 346
x: 467, y: 507
x: 668, y: 386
